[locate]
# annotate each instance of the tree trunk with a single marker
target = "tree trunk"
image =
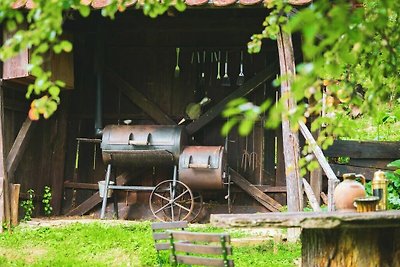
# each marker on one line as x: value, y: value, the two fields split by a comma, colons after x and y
x: 348, y: 247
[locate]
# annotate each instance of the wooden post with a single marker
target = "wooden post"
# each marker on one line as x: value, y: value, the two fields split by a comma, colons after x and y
x: 14, y: 192
x: 316, y: 178
x: 290, y: 138
x: 5, y: 210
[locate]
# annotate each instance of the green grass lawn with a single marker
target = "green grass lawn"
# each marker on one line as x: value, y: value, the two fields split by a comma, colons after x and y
x: 107, y: 244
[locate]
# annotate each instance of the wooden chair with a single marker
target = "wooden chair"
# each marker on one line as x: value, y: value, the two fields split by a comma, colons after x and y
x: 207, y: 249
x: 161, y: 237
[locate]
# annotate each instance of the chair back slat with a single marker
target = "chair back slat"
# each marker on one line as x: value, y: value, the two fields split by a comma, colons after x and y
x: 203, y: 249
x: 200, y: 248
x: 162, y: 246
x: 169, y: 225
x: 201, y: 261
x: 160, y: 236
x: 202, y: 237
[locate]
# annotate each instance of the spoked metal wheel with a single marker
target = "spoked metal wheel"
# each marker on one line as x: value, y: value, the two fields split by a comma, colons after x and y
x: 197, y: 207
x: 171, y: 202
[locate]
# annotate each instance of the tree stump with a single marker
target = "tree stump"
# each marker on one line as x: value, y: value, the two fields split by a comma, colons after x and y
x: 351, y: 247
x: 334, y: 239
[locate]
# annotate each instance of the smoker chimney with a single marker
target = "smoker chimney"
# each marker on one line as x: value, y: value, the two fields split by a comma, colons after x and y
x: 99, y: 72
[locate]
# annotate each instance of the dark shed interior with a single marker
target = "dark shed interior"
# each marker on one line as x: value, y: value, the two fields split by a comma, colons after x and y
x: 132, y: 60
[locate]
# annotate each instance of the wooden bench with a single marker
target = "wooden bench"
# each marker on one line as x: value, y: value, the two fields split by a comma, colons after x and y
x: 161, y: 237
x: 200, y: 248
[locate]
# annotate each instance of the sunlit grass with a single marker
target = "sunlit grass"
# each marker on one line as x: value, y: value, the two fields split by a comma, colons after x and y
x: 105, y: 244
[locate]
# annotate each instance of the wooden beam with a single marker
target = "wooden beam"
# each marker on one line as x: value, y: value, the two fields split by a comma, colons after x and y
x: 254, y: 192
x: 139, y: 99
x: 84, y: 186
x: 5, y: 207
x: 341, y: 169
x: 95, y: 199
x: 332, y: 179
x: 311, y: 197
x: 290, y: 138
x: 18, y: 148
x: 85, y: 206
x: 316, y: 174
x: 271, y: 189
x: 364, y: 149
x: 243, y: 90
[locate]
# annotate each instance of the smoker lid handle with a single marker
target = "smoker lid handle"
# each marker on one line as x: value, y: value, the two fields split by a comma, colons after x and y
x: 138, y: 142
x: 199, y: 165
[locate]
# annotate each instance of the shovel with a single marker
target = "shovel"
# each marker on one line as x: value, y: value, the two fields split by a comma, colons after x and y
x: 225, y: 80
x: 240, y: 79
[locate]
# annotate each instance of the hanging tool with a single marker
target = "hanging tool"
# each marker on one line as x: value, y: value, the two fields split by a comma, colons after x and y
x: 225, y: 80
x: 240, y: 79
x: 253, y: 155
x: 202, y: 77
x: 245, y: 157
x: 177, y: 69
x: 219, y: 66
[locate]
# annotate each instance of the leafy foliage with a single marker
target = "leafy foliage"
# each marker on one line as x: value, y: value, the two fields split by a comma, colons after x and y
x: 350, y: 61
x: 43, y: 34
x: 28, y: 205
x: 394, y: 186
x: 393, y: 189
x: 47, y: 201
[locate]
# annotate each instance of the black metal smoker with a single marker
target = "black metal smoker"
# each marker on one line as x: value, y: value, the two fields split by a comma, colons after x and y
x: 198, y: 167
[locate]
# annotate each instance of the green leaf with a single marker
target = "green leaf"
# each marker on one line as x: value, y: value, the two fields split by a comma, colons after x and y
x: 54, y: 90
x: 395, y: 163
x: 84, y: 10
x: 227, y: 127
x: 245, y: 127
x: 11, y: 25
x: 66, y: 46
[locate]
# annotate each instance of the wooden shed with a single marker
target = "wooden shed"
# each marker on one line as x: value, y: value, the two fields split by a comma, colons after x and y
x: 123, y: 71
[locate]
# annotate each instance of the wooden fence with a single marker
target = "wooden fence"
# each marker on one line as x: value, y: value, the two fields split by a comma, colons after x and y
x: 364, y: 157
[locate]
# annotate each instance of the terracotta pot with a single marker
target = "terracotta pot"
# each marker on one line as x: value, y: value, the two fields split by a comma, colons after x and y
x: 347, y: 191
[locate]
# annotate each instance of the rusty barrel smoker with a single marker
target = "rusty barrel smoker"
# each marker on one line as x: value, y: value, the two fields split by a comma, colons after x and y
x: 200, y: 168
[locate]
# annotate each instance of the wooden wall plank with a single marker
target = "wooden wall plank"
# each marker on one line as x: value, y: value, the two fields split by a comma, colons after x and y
x: 58, y: 157
x: 5, y: 204
x: 139, y: 99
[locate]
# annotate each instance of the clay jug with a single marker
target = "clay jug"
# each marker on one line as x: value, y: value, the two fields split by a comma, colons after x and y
x: 347, y: 191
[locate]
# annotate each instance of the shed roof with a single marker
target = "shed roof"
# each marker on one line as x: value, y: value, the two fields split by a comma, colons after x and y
x: 96, y: 4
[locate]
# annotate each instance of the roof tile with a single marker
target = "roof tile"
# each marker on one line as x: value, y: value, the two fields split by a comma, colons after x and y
x: 97, y: 4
